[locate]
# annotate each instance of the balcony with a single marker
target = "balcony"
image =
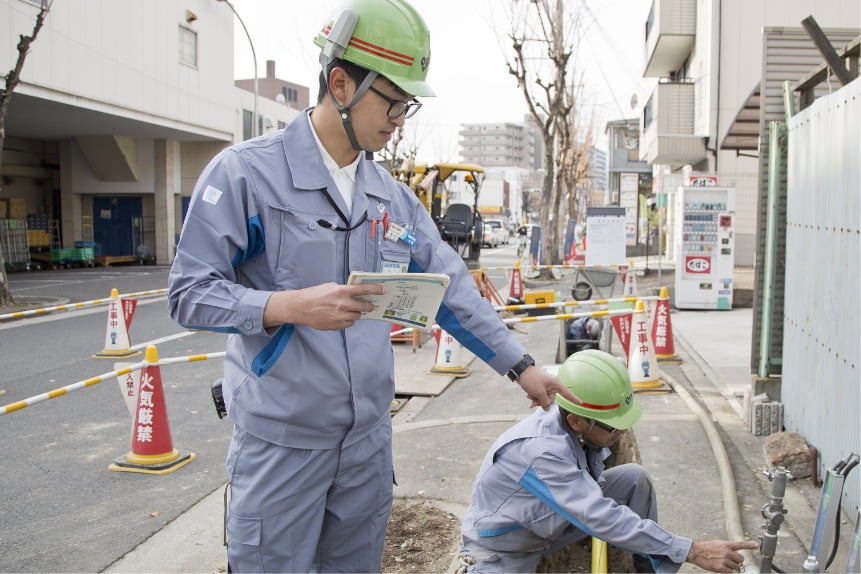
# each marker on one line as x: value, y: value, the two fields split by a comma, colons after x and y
x: 667, y: 129
x: 670, y: 31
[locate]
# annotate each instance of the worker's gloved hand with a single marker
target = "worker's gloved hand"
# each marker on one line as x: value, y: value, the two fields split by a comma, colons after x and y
x: 541, y: 387
x: 719, y: 555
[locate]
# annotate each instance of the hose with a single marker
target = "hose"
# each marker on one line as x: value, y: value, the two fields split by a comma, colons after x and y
x: 730, y: 494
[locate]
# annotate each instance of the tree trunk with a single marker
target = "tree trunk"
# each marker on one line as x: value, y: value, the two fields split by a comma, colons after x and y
x: 13, y: 76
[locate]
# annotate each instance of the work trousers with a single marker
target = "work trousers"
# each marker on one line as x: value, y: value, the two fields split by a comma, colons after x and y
x: 628, y: 484
x: 296, y: 510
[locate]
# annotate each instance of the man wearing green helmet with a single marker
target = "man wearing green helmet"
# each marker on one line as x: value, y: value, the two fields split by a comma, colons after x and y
x: 543, y: 485
x: 275, y: 227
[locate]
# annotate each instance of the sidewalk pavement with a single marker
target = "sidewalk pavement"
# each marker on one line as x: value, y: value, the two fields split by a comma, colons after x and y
x: 439, y: 442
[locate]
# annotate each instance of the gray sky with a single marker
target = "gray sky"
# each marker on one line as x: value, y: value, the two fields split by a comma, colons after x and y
x: 468, y: 55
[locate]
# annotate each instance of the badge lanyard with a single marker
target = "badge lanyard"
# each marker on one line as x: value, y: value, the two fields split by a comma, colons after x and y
x: 328, y: 225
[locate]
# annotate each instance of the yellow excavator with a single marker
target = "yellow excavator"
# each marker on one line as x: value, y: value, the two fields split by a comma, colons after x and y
x: 459, y: 224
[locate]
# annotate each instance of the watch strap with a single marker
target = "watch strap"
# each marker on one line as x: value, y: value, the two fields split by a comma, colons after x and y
x: 517, y: 370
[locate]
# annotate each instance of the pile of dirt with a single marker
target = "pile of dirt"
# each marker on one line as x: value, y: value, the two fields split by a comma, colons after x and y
x: 421, y: 538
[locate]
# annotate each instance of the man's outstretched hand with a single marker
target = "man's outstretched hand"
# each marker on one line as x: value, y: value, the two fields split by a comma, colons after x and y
x: 719, y: 555
x: 541, y: 387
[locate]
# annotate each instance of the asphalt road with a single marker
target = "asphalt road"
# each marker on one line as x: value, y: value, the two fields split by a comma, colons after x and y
x: 62, y: 509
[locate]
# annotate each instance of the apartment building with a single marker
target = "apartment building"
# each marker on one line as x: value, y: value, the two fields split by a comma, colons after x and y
x: 708, y: 58
x: 504, y: 144
x: 119, y: 107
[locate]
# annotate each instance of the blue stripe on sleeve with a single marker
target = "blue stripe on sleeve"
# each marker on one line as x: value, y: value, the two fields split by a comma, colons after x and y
x: 256, y: 242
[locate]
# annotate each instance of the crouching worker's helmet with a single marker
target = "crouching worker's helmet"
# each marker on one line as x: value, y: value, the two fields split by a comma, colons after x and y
x: 601, y: 381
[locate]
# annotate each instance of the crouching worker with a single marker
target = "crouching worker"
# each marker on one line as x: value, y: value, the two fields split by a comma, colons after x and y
x: 583, y: 333
x: 543, y: 485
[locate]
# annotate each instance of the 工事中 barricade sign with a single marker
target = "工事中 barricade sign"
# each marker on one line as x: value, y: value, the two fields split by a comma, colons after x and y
x: 448, y: 356
x: 642, y: 364
x: 152, y: 450
x: 629, y: 286
x: 120, y: 315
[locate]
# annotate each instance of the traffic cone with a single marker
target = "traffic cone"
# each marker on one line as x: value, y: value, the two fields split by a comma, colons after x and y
x: 629, y: 288
x: 448, y: 356
x: 129, y: 386
x: 662, y: 329
x: 120, y: 314
x: 642, y: 364
x: 152, y: 449
x: 515, y: 290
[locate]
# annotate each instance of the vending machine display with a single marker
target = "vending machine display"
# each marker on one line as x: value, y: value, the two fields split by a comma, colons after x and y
x: 705, y: 247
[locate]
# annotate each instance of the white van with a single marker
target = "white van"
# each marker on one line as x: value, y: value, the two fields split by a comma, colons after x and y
x: 499, y: 230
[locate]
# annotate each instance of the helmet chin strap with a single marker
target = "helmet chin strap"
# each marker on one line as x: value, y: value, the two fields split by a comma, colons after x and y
x: 344, y: 111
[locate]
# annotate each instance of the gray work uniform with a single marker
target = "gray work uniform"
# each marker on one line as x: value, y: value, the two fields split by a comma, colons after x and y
x: 263, y: 218
x: 539, y: 489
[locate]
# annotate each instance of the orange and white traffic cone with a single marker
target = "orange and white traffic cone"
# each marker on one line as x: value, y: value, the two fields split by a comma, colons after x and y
x: 662, y: 329
x: 642, y: 364
x: 515, y: 289
x: 152, y: 449
x: 448, y: 356
x: 120, y: 314
x: 629, y: 287
x: 129, y: 385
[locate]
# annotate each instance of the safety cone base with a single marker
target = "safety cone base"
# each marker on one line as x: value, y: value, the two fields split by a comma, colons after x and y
x: 123, y: 464
x: 116, y: 354
x: 647, y: 385
x: 458, y: 372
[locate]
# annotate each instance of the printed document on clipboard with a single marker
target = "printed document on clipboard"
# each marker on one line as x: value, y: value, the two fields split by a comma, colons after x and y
x: 411, y: 299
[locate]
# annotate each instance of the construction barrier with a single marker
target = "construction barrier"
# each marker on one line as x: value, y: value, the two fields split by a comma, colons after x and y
x: 75, y: 306
x: 152, y: 450
x: 662, y: 329
x: 520, y: 266
x: 622, y: 327
x: 561, y: 316
x: 515, y: 290
x: 642, y: 364
x: 117, y: 341
x: 629, y: 286
x: 448, y: 358
x: 590, y: 302
x: 17, y: 406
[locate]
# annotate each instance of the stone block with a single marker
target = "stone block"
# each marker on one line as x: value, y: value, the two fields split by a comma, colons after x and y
x: 789, y: 450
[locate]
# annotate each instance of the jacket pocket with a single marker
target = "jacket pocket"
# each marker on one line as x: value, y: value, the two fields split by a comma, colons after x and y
x: 304, y: 252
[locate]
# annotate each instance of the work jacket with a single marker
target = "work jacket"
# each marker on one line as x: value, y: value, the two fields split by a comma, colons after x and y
x: 262, y: 219
x: 537, y: 482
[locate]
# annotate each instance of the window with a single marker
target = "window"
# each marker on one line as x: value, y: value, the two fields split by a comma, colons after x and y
x: 187, y: 47
x: 247, y: 122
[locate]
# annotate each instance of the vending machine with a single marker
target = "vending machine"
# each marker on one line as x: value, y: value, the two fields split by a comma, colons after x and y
x: 705, y: 247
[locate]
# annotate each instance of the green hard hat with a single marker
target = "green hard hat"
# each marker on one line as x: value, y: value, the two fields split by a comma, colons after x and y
x: 385, y: 36
x: 601, y: 381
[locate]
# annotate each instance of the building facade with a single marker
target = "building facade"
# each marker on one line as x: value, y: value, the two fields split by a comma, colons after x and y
x: 707, y: 56
x: 505, y: 144
x: 111, y: 123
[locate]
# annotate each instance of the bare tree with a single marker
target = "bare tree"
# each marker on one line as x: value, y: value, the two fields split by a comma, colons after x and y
x: 542, y: 60
x: 397, y: 152
x: 13, y: 77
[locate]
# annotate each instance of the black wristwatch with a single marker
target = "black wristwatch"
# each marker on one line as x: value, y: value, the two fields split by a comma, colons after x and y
x: 517, y: 370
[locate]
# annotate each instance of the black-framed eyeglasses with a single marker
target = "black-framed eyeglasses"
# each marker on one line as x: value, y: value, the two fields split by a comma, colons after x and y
x: 606, y: 428
x: 398, y: 108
